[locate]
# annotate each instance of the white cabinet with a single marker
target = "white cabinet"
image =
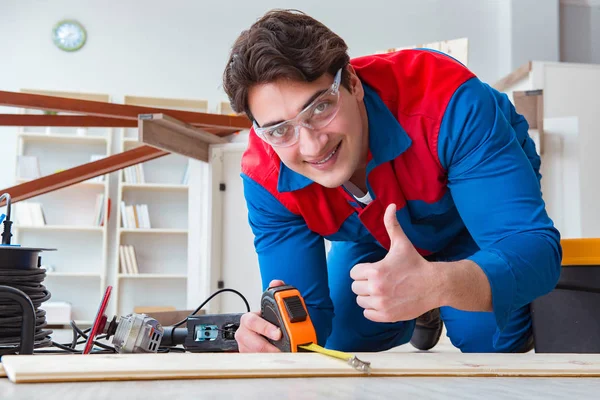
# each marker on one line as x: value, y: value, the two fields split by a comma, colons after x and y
x: 571, y: 142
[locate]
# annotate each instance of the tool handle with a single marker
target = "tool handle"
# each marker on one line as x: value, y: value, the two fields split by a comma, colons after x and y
x: 271, y: 313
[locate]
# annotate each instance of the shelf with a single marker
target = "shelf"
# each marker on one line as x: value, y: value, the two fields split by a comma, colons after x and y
x: 61, y: 228
x: 155, y: 186
x: 73, y: 274
x: 62, y: 138
x: 152, y: 276
x: 155, y: 230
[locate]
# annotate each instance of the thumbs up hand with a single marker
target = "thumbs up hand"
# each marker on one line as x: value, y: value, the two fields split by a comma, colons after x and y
x: 401, y: 286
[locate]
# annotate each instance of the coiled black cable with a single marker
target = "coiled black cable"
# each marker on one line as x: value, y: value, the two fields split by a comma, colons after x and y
x: 30, y: 282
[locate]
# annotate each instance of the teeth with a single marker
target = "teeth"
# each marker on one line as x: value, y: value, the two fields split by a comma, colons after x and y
x: 328, y: 157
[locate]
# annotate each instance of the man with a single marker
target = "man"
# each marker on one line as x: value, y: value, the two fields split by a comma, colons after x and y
x: 423, y: 178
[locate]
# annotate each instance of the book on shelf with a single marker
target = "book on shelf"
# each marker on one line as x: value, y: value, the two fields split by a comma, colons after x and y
x: 128, y: 260
x: 29, y: 213
x: 100, y: 210
x: 135, y: 216
x: 134, y: 174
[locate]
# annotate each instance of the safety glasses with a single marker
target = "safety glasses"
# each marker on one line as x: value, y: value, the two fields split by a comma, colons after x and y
x: 317, y: 115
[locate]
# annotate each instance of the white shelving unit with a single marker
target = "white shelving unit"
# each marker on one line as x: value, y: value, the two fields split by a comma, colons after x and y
x: 88, y: 256
x: 77, y: 270
x: 161, y: 251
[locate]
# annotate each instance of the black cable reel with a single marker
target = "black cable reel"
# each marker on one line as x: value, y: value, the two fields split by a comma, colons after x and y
x: 22, y: 323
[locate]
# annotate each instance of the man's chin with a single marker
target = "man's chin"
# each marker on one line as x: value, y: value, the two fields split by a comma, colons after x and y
x: 329, y: 180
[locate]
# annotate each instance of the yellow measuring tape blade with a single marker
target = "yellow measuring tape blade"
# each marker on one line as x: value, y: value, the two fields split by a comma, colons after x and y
x: 354, y: 362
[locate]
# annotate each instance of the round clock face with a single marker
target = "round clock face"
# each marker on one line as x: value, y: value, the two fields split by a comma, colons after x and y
x: 69, y: 35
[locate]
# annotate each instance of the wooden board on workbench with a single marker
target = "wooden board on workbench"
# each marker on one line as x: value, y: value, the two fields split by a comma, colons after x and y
x: 64, y: 368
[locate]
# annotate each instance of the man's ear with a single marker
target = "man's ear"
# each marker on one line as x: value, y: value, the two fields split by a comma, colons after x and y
x: 356, y: 88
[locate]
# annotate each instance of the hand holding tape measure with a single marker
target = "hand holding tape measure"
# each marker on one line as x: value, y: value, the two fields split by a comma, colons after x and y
x: 284, y: 324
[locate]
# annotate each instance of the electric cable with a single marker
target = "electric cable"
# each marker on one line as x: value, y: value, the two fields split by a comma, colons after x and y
x: 83, y: 335
x: 78, y: 334
x: 30, y: 282
x: 205, y: 302
x: 71, y: 347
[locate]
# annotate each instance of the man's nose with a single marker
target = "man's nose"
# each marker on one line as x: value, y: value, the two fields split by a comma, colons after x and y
x: 311, y: 142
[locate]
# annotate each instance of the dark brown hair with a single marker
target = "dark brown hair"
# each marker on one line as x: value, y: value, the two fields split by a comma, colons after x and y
x: 282, y: 44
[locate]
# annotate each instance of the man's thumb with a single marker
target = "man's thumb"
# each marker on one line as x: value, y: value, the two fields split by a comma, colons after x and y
x: 392, y: 226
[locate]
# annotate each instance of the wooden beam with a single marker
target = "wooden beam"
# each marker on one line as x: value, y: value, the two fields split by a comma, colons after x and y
x: 81, y: 121
x: 65, y: 120
x: 190, y: 138
x: 81, y: 173
x: 110, y: 110
x: 167, y: 133
x: 512, y: 78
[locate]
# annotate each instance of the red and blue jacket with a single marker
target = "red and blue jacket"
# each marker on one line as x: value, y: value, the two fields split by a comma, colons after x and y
x: 450, y: 151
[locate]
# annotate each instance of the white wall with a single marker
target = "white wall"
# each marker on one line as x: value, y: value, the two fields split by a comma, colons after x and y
x: 528, y: 30
x: 580, y: 33
x: 178, y: 48
x: 535, y: 31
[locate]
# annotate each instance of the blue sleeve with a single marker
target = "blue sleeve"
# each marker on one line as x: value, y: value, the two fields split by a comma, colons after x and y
x: 496, y: 190
x: 521, y: 128
x: 289, y: 251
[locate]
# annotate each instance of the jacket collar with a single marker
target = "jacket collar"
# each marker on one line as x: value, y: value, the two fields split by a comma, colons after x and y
x: 387, y: 140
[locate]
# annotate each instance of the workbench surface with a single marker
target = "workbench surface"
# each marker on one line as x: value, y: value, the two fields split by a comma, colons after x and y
x: 313, y: 388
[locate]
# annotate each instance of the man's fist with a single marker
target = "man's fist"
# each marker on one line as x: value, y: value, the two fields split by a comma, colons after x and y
x: 400, y: 287
x: 253, y: 329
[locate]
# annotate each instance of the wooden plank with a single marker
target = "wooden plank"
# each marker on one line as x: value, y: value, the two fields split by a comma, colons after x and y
x: 64, y: 120
x: 2, y: 373
x: 169, y: 134
x: 102, y: 367
x: 86, y: 121
x: 81, y: 173
x: 512, y: 78
x: 384, y: 388
x: 110, y: 110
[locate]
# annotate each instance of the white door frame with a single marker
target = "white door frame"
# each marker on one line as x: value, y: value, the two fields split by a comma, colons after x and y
x: 205, y: 240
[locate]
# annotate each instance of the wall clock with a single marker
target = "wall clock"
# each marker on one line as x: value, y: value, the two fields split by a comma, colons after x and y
x: 69, y: 35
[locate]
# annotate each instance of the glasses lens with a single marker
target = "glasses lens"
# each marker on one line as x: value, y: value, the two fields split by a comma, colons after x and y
x: 279, y: 135
x: 323, y: 111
